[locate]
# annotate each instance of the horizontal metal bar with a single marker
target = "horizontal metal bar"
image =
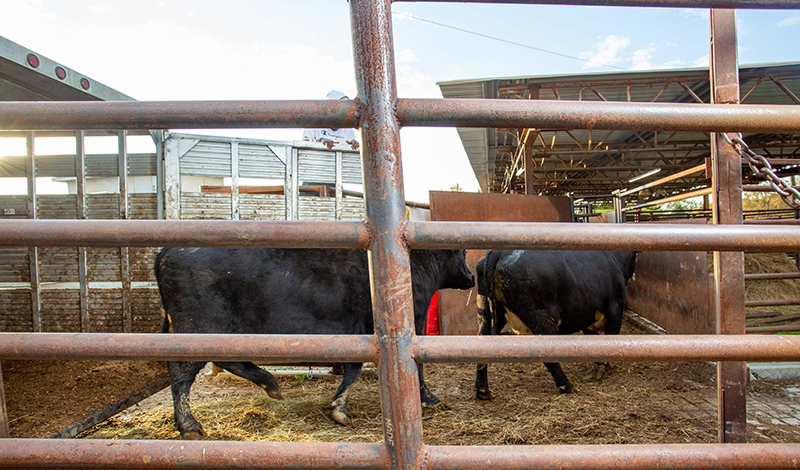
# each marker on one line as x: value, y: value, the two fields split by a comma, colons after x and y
x: 667, y: 179
x: 66, y: 453
x: 88, y: 453
x: 624, y: 456
x: 753, y: 4
x: 760, y: 276
x: 240, y: 233
x: 773, y: 222
x: 52, y: 115
x: 275, y: 349
x: 608, y: 115
x: 622, y: 348
x: 677, y: 197
x: 771, y: 303
x: 569, y: 236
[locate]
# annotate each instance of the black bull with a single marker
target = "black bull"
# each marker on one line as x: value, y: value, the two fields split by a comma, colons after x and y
x: 551, y: 292
x: 284, y: 291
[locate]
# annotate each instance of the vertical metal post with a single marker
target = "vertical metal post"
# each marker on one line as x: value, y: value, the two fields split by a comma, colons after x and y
x: 172, y: 180
x: 80, y: 190
x: 234, y: 180
x: 124, y: 251
x: 4, y: 431
x: 33, y: 252
x: 727, y: 209
x: 160, y: 188
x: 295, y: 185
x: 390, y: 268
x: 338, y: 185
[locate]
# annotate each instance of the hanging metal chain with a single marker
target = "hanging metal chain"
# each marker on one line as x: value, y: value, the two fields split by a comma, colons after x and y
x: 762, y: 168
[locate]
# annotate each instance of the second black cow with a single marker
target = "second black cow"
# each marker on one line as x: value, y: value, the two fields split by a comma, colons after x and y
x: 283, y: 291
x: 551, y: 292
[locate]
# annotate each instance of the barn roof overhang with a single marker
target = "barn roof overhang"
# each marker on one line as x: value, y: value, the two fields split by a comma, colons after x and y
x: 586, y: 162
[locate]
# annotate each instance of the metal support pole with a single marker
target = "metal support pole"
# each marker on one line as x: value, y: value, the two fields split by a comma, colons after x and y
x: 80, y: 189
x: 338, y: 185
x: 124, y: 251
x: 727, y: 209
x: 234, y: 180
x: 390, y: 268
x: 33, y: 252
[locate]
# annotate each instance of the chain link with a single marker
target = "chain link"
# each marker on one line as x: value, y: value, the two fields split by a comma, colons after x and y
x: 762, y: 168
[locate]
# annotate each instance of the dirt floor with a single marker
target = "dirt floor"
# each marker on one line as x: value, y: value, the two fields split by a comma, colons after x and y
x: 635, y: 403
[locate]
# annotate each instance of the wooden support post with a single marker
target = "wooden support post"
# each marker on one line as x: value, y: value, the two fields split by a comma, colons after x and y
x: 727, y: 209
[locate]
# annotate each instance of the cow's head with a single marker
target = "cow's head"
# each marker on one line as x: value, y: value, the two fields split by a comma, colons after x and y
x: 457, y: 274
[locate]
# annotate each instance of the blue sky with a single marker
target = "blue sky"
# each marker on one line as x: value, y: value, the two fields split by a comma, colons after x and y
x: 281, y: 49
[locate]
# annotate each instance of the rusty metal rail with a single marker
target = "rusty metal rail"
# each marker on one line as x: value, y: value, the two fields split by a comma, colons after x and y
x: 548, y: 114
x: 760, y: 4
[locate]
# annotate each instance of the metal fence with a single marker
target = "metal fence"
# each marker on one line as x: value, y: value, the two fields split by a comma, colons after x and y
x: 388, y: 237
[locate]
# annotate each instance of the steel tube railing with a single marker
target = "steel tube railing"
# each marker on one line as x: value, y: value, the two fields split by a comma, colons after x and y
x: 759, y: 4
x: 606, y: 115
x: 623, y: 348
x: 632, y: 456
x: 546, y: 114
x: 70, y: 115
x: 194, y: 233
x: 57, y: 453
x: 277, y: 349
x: 569, y: 236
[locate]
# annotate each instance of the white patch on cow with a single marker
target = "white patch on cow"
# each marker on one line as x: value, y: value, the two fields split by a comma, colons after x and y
x: 514, y: 256
x: 192, y: 250
x: 517, y: 326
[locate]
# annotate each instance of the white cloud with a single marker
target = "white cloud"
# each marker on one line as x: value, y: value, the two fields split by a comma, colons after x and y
x: 790, y: 21
x: 605, y: 52
x: 696, y: 14
x: 703, y: 61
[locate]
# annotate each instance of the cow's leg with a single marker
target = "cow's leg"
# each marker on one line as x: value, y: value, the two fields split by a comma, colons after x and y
x: 182, y: 375
x: 546, y: 322
x: 426, y: 397
x: 255, y: 374
x: 350, y: 373
x: 611, y: 325
x: 599, y: 368
x: 487, y: 325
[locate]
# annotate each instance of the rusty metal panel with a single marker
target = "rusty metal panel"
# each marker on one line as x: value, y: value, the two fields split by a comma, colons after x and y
x: 195, y: 206
x: 105, y: 311
x: 316, y: 208
x: 262, y: 207
x: 103, y: 265
x: 16, y: 312
x: 351, y: 168
x: 457, y: 309
x: 58, y: 264
x: 60, y: 310
x: 15, y: 264
x: 13, y: 206
x: 61, y: 206
x: 674, y: 290
x: 102, y: 206
x: 353, y: 208
x: 143, y: 206
x: 142, y: 261
x: 147, y: 310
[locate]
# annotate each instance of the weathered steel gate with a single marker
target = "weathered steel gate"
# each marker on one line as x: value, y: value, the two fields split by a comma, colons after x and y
x: 388, y: 236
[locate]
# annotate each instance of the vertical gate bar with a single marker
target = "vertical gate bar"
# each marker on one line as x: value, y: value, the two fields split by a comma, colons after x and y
x: 33, y: 252
x: 728, y: 266
x: 80, y: 190
x: 338, y: 187
x: 295, y: 180
x: 172, y: 180
x: 159, y: 137
x: 234, y: 180
x: 124, y: 251
x: 390, y: 268
x: 4, y: 431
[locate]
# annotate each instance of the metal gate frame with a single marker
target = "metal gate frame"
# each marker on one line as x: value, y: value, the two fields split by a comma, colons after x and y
x: 388, y: 237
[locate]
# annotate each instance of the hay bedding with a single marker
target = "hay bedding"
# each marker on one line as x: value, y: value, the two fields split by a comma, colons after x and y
x: 634, y: 403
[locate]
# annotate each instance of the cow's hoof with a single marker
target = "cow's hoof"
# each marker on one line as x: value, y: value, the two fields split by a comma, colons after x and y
x: 599, y: 371
x: 484, y: 394
x: 565, y: 388
x: 340, y: 417
x: 276, y: 394
x: 193, y: 435
x: 430, y: 400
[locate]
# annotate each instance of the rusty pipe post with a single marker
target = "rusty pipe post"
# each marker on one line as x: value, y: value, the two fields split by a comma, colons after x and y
x: 390, y: 268
x: 727, y: 210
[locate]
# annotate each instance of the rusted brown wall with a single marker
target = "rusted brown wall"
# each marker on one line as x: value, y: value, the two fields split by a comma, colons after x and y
x: 674, y: 290
x: 457, y: 309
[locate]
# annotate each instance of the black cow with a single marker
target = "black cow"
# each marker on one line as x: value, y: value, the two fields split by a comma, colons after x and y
x: 551, y: 292
x: 283, y: 291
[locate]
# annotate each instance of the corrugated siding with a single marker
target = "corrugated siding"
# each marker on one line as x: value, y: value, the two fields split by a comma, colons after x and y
x: 13, y: 207
x: 143, y: 206
x: 316, y: 208
x: 60, y: 206
x: 105, y: 310
x: 205, y: 206
x: 351, y: 168
x: 142, y: 164
x: 101, y: 165
x: 15, y: 264
x: 316, y: 167
x: 258, y: 161
x: 61, y: 166
x: 102, y: 206
x: 13, y: 167
x: 142, y: 261
x: 146, y: 310
x: 60, y: 310
x: 353, y: 209
x: 262, y: 207
x: 15, y: 316
x: 207, y: 159
x: 103, y: 265
x: 58, y: 264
